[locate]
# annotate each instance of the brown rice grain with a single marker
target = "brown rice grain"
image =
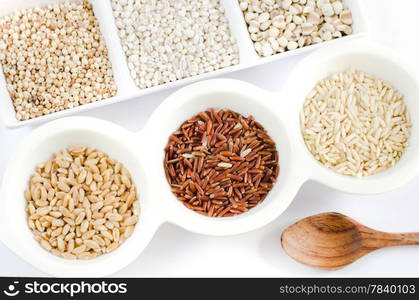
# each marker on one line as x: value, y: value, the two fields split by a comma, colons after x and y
x: 210, y: 157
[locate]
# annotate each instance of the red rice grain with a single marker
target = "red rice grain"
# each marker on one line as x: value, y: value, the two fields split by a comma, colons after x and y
x: 220, y: 163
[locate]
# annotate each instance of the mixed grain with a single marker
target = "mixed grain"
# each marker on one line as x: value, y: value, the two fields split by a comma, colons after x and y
x: 81, y: 204
x: 220, y: 163
x: 54, y: 58
x: 355, y: 123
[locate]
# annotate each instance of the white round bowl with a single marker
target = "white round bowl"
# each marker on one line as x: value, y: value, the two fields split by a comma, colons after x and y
x: 245, y: 99
x: 379, y: 62
x: 143, y: 154
x: 39, y: 147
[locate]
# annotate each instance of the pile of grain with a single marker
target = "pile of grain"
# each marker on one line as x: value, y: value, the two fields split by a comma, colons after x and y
x: 81, y: 204
x: 168, y: 40
x: 54, y: 58
x: 355, y: 123
x: 220, y: 163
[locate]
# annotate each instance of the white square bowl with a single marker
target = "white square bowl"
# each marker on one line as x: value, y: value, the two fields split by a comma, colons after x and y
x: 126, y: 87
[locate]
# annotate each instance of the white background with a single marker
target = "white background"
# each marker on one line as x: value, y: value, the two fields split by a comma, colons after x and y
x: 176, y: 252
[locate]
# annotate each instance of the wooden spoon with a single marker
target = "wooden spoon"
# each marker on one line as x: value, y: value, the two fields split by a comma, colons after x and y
x: 331, y: 240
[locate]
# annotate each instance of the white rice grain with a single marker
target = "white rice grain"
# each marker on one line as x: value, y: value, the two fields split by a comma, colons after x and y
x: 355, y: 124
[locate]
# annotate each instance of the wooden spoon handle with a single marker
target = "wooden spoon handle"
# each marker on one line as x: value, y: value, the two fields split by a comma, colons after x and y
x: 376, y: 239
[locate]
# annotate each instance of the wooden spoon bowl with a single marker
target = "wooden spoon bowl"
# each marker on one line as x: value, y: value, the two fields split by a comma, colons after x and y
x: 331, y: 240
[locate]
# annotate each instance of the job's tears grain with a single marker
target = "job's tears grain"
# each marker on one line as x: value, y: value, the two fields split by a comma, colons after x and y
x: 276, y: 26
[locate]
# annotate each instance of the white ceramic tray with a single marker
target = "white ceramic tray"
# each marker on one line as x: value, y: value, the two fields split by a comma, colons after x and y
x: 143, y: 152
x: 126, y: 86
